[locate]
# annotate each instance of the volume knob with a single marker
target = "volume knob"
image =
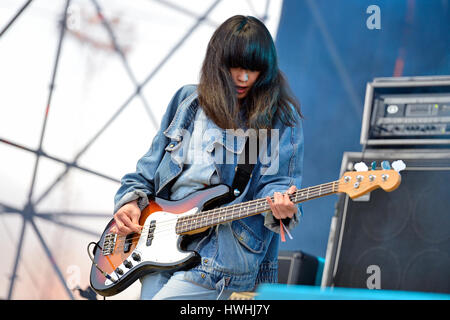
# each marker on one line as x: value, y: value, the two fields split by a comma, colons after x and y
x: 119, y: 271
x: 136, y: 256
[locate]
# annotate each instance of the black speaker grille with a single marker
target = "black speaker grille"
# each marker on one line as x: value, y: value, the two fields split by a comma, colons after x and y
x: 404, y: 233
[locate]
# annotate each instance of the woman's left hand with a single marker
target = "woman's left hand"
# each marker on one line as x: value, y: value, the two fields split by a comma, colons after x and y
x: 282, y: 207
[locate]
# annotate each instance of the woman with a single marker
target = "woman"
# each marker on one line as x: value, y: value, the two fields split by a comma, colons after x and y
x: 240, y: 87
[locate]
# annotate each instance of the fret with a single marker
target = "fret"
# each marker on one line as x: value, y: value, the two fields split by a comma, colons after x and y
x: 211, y: 218
x: 241, y: 210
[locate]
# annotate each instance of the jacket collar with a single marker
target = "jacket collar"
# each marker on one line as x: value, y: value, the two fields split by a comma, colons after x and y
x: 184, y: 118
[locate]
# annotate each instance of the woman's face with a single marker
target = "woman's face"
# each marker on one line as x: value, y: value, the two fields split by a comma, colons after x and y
x: 244, y: 80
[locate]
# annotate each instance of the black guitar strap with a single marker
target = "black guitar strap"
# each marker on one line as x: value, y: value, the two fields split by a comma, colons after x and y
x: 243, y: 170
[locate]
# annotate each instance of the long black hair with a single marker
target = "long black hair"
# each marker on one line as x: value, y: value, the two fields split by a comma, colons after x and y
x: 245, y: 42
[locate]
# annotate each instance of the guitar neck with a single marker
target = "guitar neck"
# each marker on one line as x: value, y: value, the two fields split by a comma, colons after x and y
x: 242, y: 210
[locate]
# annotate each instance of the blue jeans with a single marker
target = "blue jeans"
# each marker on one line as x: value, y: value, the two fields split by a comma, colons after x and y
x: 165, y: 285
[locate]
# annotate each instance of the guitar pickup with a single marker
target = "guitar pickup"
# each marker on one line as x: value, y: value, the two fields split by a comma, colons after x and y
x: 151, y: 230
x: 128, y: 242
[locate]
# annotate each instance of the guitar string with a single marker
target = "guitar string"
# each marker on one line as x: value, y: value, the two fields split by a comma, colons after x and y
x: 231, y: 211
x: 244, y: 206
x: 240, y: 206
x: 210, y: 215
x: 253, y: 204
x: 299, y: 193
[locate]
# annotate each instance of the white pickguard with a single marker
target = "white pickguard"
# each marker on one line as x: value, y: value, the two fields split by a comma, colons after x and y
x: 164, y: 247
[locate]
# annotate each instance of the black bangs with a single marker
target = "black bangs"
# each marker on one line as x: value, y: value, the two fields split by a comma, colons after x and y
x: 242, y: 54
x: 249, y: 51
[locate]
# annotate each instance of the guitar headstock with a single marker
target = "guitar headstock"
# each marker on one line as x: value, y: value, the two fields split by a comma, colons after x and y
x: 358, y: 183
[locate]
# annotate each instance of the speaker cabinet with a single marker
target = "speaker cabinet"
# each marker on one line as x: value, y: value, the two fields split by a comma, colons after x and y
x: 397, y: 240
x: 297, y: 267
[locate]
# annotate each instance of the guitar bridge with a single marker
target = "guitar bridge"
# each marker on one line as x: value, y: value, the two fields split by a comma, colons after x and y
x: 109, y: 243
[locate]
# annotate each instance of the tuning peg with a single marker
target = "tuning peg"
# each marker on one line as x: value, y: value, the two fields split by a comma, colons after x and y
x: 398, y: 165
x: 373, y: 165
x: 385, y: 165
x: 361, y: 166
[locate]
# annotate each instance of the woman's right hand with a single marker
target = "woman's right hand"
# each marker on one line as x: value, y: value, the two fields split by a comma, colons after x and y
x: 127, y: 219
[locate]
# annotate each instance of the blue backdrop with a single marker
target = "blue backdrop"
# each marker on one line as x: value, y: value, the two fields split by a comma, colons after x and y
x: 329, y: 54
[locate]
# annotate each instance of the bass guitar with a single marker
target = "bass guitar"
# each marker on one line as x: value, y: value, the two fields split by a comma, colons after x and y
x: 118, y: 261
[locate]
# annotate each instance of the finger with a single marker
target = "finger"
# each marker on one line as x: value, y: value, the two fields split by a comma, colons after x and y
x: 278, y: 197
x: 133, y: 227
x: 286, y: 207
x: 279, y: 205
x: 113, y: 229
x: 273, y: 208
x: 122, y: 229
x: 287, y: 195
x: 289, y: 211
x: 135, y: 221
x: 290, y: 207
x: 286, y: 200
x: 291, y: 189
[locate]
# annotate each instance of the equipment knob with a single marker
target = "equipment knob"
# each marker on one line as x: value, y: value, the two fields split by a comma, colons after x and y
x: 127, y: 264
x: 119, y: 271
x: 385, y: 165
x: 361, y: 166
x: 136, y: 256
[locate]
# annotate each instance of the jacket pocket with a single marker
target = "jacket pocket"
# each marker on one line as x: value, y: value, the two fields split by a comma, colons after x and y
x: 247, y: 237
x: 170, y: 165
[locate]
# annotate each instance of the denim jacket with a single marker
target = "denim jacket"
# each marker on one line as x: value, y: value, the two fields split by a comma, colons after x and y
x: 236, y: 255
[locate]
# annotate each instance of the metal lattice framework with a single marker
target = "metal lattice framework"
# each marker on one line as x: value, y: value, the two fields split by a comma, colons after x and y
x: 28, y: 212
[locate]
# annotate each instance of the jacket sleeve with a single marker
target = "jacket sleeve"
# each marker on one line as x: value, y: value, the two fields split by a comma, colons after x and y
x: 285, y: 170
x: 140, y: 184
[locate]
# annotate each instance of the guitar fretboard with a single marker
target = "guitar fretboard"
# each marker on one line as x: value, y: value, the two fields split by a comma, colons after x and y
x: 237, y: 211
